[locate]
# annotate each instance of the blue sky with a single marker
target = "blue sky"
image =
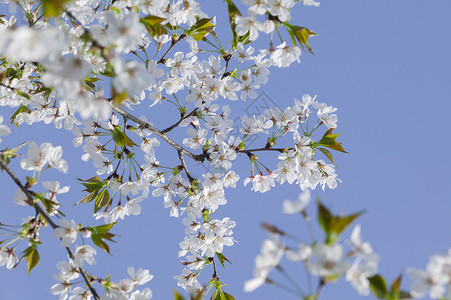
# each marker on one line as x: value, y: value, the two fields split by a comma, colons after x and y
x: 386, y: 66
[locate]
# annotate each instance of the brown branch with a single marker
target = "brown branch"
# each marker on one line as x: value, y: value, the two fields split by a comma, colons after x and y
x: 47, y: 218
x: 319, y: 288
x: 173, y: 43
x: 164, y: 131
x: 182, y: 160
x: 263, y: 149
x: 196, y: 157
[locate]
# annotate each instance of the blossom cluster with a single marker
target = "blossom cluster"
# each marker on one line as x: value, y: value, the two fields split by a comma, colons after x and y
x: 326, y: 260
x: 433, y: 281
x: 124, y: 289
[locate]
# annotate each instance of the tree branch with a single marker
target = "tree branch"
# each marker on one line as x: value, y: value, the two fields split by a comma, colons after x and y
x: 173, y: 43
x: 47, y: 218
x: 182, y: 160
x: 164, y: 131
x: 196, y: 157
x: 263, y: 149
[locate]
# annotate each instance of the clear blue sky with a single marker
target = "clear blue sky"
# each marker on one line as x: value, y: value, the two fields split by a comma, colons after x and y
x: 386, y: 66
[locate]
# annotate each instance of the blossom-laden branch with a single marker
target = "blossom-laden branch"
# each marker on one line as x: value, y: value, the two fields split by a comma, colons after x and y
x: 65, y: 84
x: 41, y: 211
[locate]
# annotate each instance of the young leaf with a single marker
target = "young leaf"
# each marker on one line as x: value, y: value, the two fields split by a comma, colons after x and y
x: 151, y: 20
x: 88, y: 198
x: 177, y: 295
x: 98, y: 241
x: 53, y: 8
x: 93, y: 186
x: 32, y: 259
x: 102, y: 228
x: 302, y: 34
x: 227, y: 296
x: 201, y: 29
x: 396, y: 284
x: 120, y: 138
x: 233, y: 10
x: 102, y: 200
x: 328, y: 155
x: 222, y: 258
x: 218, y: 294
x: 21, y: 109
x: 155, y: 30
x: 378, y: 286
x: 324, y: 217
x: 109, y: 70
x: 341, y: 223
x: 329, y: 140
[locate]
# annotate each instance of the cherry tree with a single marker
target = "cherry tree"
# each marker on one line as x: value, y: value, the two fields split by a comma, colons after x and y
x: 97, y: 70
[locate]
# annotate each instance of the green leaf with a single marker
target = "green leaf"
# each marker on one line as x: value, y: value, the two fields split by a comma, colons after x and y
x: 324, y: 217
x: 177, y: 295
x: 53, y: 8
x: 151, y: 20
x: 92, y: 179
x: 329, y: 140
x: 93, y: 186
x: 396, y: 284
x: 378, y: 286
x: 102, y: 200
x: 109, y: 70
x: 21, y: 109
x: 90, y: 86
x: 227, y: 296
x: 10, y: 153
x: 48, y: 204
x: 201, y: 29
x: 103, y: 228
x: 218, y: 294
x: 32, y: 260
x: 120, y: 138
x: 328, y: 155
x: 32, y: 257
x: 222, y: 258
x: 155, y: 30
x: 88, y: 198
x: 202, y: 23
x: 100, y: 233
x: 341, y: 223
x: 302, y: 34
x: 233, y: 10
x: 98, y: 241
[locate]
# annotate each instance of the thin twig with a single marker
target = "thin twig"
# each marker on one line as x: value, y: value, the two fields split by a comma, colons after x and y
x: 182, y: 160
x: 173, y: 43
x: 164, y: 131
x: 263, y: 149
x: 320, y: 287
x: 215, y: 274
